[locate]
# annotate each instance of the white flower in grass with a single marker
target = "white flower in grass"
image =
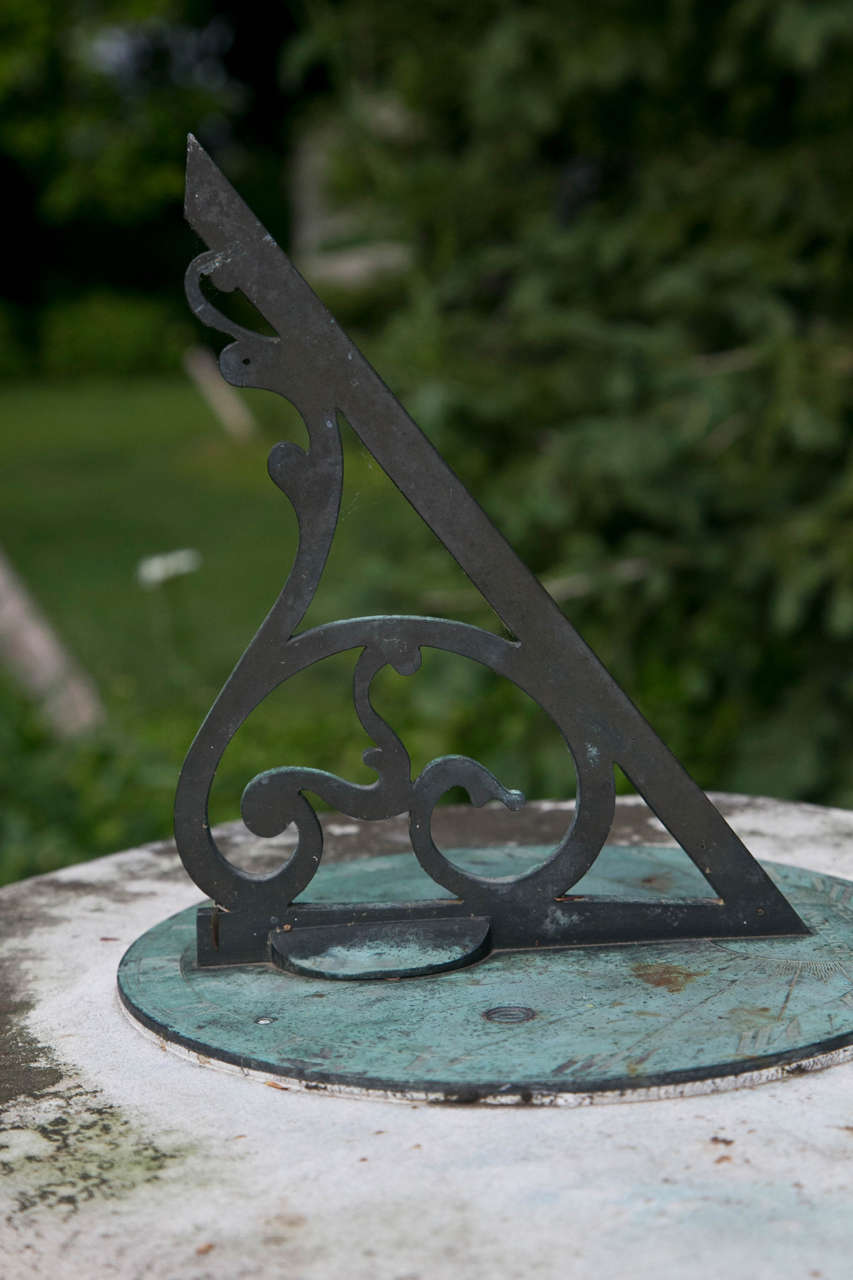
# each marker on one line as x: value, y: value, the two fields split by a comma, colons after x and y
x: 154, y: 570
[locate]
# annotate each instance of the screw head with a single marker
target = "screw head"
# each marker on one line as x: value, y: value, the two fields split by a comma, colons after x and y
x: 509, y: 1013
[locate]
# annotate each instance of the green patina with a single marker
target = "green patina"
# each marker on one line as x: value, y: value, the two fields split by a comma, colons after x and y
x: 523, y: 1024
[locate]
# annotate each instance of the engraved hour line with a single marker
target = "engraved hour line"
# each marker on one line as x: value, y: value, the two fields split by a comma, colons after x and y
x: 577, y: 1065
x: 788, y: 993
x: 840, y: 893
x: 630, y: 1050
x: 508, y: 1037
x: 841, y: 969
x: 755, y: 1040
x: 761, y: 1037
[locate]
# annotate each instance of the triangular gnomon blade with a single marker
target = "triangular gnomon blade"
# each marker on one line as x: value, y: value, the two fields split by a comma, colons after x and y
x: 314, y: 364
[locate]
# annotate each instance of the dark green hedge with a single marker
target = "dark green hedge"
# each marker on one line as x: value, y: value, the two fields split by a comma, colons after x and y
x: 629, y: 323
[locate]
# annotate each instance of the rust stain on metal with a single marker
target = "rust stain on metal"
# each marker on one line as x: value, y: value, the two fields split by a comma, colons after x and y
x: 672, y: 976
x: 662, y: 882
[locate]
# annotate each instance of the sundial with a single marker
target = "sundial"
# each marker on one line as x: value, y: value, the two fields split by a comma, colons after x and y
x: 533, y: 970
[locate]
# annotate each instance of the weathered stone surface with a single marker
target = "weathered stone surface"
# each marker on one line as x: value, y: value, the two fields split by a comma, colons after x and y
x: 121, y: 1159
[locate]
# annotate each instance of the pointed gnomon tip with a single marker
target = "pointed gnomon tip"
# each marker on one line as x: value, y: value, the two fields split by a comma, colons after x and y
x: 197, y: 157
x: 202, y: 175
x: 195, y: 154
x: 214, y: 209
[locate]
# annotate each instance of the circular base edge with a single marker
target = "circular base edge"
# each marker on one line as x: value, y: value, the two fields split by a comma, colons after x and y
x: 726, y: 1081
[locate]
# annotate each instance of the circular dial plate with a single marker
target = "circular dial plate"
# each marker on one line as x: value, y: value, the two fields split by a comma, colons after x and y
x: 543, y: 1026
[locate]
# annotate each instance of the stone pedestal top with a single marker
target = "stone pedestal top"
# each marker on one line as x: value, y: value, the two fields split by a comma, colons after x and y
x: 122, y: 1158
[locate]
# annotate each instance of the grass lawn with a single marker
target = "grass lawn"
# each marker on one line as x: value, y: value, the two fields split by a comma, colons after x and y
x: 95, y: 476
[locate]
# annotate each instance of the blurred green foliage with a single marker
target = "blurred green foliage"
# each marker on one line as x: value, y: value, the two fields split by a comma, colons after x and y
x: 63, y: 801
x: 627, y: 323
x: 112, y: 333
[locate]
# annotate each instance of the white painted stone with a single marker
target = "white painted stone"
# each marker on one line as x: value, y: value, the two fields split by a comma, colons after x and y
x: 135, y: 1162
